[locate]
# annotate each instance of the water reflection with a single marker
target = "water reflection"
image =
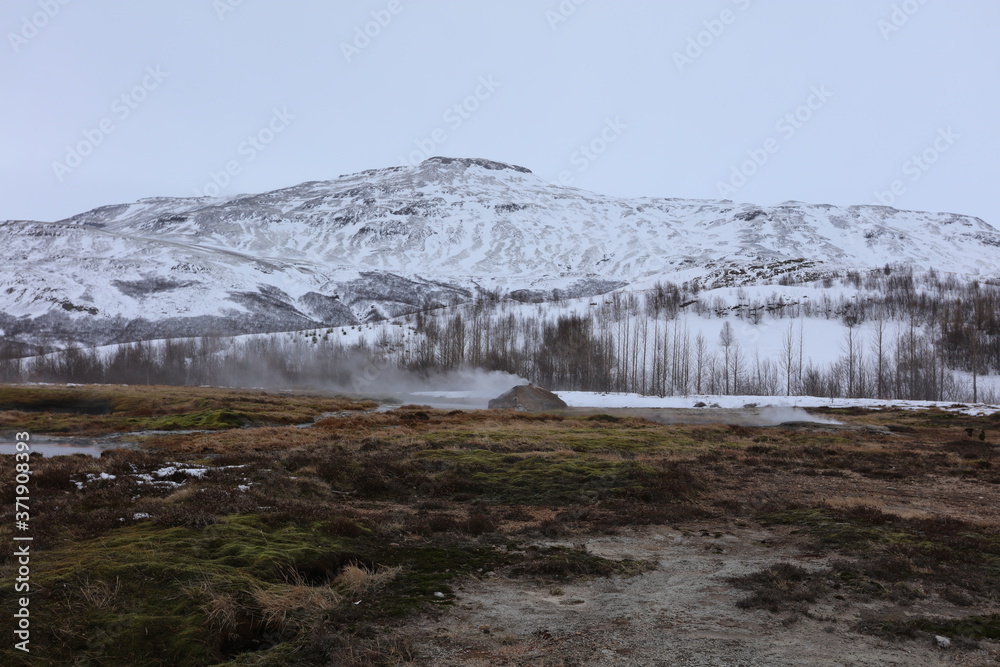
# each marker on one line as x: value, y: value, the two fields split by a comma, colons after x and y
x: 50, y: 446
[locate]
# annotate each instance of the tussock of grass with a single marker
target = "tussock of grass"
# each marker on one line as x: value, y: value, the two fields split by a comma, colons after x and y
x: 563, y: 564
x: 295, y: 602
x: 781, y: 587
x: 355, y: 579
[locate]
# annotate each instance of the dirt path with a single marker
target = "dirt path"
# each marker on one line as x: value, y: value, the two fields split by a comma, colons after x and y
x: 683, y: 613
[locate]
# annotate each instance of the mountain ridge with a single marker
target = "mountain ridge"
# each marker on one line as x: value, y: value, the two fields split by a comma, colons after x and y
x: 383, y: 242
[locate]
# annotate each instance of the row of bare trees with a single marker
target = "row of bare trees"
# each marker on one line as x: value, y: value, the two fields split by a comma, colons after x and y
x: 910, y: 336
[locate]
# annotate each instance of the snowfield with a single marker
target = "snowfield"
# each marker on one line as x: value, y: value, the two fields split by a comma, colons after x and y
x: 586, y: 399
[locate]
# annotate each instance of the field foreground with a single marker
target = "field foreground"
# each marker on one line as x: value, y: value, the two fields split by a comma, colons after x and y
x: 251, y: 528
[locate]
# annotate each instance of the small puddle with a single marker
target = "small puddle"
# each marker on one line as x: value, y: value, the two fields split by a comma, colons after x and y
x: 54, y: 446
x: 49, y: 450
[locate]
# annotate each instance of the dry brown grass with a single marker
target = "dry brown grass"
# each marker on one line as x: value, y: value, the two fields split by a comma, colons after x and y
x: 102, y: 409
x: 263, y: 439
x: 286, y: 604
x: 100, y: 594
x: 181, y: 495
x: 879, y: 502
x: 356, y: 579
x: 223, y: 611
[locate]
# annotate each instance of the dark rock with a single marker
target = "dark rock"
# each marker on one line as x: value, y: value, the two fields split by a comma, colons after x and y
x: 479, y: 162
x: 527, y: 398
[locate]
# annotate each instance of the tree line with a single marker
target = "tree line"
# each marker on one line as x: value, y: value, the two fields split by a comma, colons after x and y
x: 905, y: 335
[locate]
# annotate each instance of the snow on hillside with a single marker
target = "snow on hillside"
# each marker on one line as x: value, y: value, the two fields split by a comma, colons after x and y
x: 385, y: 242
x: 818, y: 341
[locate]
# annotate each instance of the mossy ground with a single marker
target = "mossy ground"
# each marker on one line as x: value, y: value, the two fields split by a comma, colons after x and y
x: 98, y: 410
x: 302, y: 546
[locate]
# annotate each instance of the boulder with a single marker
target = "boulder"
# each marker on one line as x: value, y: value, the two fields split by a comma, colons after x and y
x: 527, y: 398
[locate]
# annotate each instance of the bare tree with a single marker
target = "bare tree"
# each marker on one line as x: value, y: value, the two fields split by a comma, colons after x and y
x: 848, y: 347
x: 726, y: 341
x: 738, y: 360
x: 878, y: 339
x: 788, y: 358
x: 700, y: 353
x: 801, y: 348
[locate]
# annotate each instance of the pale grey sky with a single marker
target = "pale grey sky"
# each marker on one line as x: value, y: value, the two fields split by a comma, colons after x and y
x: 824, y: 102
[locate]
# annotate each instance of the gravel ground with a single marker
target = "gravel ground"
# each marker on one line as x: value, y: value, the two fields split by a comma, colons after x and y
x: 681, y: 614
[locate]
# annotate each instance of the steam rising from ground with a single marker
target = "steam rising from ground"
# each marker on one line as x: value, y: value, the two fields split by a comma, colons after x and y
x: 465, y: 388
x: 472, y: 388
x: 773, y: 415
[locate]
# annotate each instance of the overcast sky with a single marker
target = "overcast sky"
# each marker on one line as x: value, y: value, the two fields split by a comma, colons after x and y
x: 824, y: 102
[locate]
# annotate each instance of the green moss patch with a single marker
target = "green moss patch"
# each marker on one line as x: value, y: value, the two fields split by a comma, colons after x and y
x: 208, y: 419
x: 835, y: 532
x: 510, y: 478
x: 149, y: 594
x: 247, y: 584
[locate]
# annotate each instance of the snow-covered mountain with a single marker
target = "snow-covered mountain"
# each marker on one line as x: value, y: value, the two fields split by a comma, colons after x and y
x: 384, y: 242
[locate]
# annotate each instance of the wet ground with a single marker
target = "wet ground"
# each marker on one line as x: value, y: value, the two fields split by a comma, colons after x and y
x: 765, y: 416
x: 55, y: 446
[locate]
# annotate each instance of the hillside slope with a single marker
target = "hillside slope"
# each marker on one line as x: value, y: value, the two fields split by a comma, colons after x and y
x: 384, y: 242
